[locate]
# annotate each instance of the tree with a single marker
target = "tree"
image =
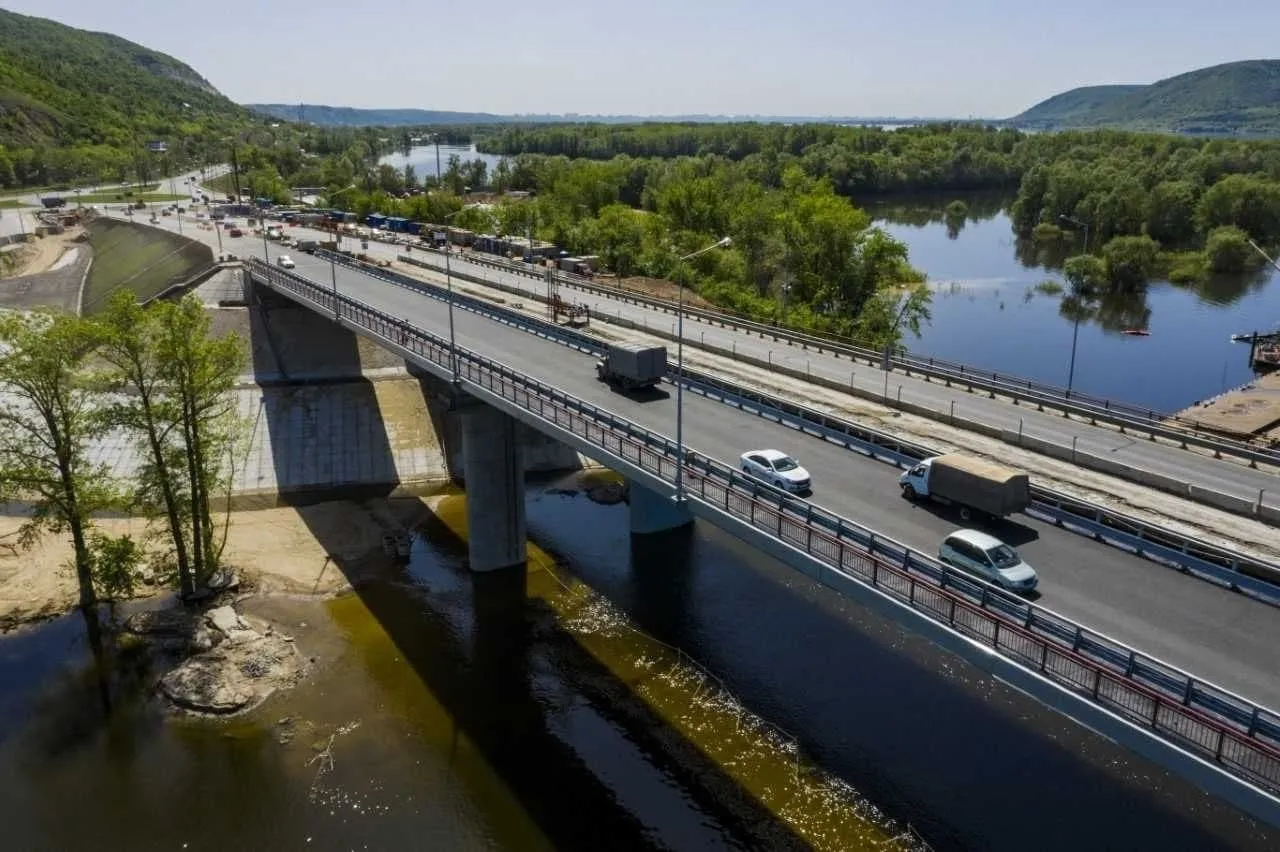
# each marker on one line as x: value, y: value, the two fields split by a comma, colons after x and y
x: 620, y: 235
x: 891, y: 310
x: 1227, y: 249
x: 47, y: 421
x: 199, y: 371
x: 1131, y: 261
x: 1086, y: 274
x: 131, y: 345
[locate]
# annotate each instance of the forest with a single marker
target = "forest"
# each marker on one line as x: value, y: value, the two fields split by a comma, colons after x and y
x: 803, y: 253
x: 1186, y: 206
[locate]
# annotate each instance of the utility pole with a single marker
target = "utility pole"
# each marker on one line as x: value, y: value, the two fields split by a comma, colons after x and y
x: 235, y: 171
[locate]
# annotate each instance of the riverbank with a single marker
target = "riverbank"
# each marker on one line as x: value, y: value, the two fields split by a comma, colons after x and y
x: 273, y: 551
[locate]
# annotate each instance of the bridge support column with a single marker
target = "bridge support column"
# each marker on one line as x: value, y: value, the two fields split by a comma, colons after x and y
x: 493, y: 472
x: 654, y: 513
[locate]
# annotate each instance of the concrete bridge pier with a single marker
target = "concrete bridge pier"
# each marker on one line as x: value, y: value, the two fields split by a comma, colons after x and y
x: 493, y: 472
x: 652, y: 512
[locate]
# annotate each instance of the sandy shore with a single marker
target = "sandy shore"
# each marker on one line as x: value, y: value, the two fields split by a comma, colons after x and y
x: 313, y: 550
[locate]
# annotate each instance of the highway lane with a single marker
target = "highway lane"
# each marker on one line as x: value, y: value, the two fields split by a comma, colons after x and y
x: 1220, y: 475
x: 1217, y: 635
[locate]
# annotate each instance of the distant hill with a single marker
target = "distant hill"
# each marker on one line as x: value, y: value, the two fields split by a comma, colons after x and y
x: 62, y: 86
x: 1235, y: 98
x: 331, y: 116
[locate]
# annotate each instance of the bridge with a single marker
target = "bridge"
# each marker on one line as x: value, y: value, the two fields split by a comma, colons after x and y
x: 1222, y: 741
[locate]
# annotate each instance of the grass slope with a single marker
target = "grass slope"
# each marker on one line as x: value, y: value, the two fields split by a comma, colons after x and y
x: 60, y: 86
x: 146, y: 260
x: 1234, y: 98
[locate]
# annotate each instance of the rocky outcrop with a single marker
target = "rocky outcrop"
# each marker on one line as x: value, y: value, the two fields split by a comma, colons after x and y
x: 238, y: 664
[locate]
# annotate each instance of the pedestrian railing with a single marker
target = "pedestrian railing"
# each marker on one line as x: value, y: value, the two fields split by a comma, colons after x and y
x: 1235, y: 734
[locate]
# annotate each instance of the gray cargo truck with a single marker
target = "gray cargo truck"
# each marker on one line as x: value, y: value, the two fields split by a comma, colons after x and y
x: 973, y: 485
x: 632, y: 366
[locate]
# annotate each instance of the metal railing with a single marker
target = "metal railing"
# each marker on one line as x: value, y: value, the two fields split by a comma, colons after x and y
x: 1233, y: 733
x: 1235, y: 570
x: 1159, y: 424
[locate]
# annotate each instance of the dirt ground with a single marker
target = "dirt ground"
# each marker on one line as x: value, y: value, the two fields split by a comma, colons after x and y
x: 284, y: 550
x: 41, y: 253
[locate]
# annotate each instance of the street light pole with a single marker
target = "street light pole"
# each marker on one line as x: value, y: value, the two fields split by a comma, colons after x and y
x: 448, y: 282
x: 1075, y: 332
x: 721, y: 243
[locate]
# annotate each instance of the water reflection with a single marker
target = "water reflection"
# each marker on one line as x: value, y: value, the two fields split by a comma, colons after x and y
x: 990, y: 312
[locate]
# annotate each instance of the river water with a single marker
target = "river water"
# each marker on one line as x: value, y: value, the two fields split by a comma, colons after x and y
x: 988, y: 312
x: 423, y: 158
x: 466, y: 712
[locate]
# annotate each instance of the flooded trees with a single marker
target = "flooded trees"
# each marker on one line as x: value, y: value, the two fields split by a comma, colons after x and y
x: 175, y: 380
x: 154, y: 372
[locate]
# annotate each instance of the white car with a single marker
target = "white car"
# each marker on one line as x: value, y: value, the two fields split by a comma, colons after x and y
x: 989, y: 558
x: 284, y: 261
x: 776, y: 468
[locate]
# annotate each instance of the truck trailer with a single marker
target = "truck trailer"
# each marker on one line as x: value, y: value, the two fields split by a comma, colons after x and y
x: 973, y: 485
x: 632, y: 366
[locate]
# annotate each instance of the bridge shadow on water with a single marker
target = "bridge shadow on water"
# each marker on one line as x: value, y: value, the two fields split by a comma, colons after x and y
x: 969, y: 762
x: 592, y: 765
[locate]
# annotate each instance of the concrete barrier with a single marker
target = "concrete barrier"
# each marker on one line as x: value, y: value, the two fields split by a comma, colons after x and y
x: 1163, y: 483
x: 1270, y: 514
x: 1236, y: 505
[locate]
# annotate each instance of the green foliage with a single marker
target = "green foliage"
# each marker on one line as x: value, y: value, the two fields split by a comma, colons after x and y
x: 116, y: 560
x: 890, y: 310
x: 1237, y: 97
x: 1131, y: 261
x: 1227, y: 250
x: 1086, y: 274
x: 81, y: 106
x: 47, y: 421
x: 1187, y: 267
x: 1249, y: 202
x: 1046, y: 232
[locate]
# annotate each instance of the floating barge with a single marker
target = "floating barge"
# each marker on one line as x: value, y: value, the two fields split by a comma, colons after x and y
x: 1264, y: 349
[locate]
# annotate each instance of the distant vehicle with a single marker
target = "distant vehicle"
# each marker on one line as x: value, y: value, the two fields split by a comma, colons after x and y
x: 632, y: 366
x: 975, y: 486
x: 274, y: 233
x: 308, y: 245
x: 52, y: 202
x: 284, y: 261
x: 986, y: 556
x: 235, y: 232
x: 166, y: 212
x: 778, y: 469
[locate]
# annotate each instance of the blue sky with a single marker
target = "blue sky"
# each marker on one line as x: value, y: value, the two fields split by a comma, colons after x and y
x: 987, y: 58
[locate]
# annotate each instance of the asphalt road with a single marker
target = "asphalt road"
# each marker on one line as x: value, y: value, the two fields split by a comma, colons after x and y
x: 1222, y: 637
x: 1220, y: 475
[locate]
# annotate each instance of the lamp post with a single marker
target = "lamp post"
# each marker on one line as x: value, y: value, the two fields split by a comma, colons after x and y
x: 720, y: 243
x: 448, y: 282
x: 1075, y: 332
